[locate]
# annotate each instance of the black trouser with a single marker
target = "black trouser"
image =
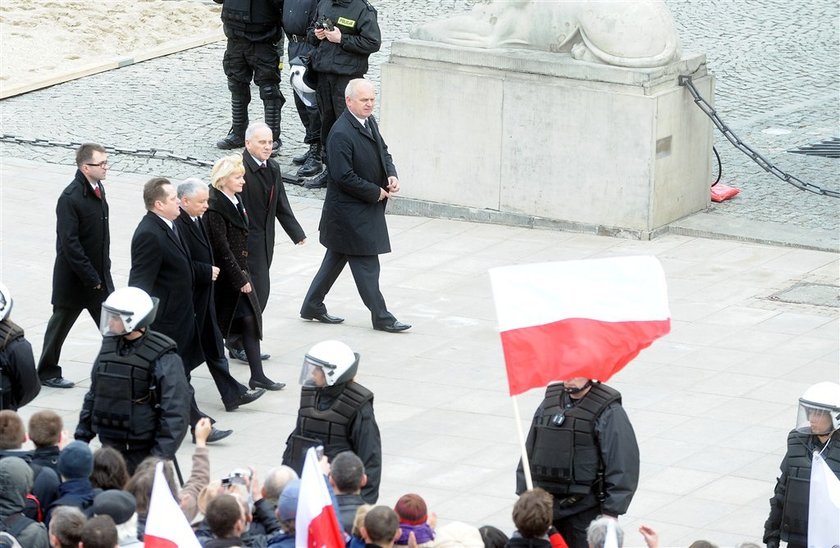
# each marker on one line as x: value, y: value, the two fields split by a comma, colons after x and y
x: 211, y: 343
x: 60, y: 324
x: 331, y: 102
x: 311, y: 120
x: 573, y: 528
x: 133, y: 453
x: 365, y: 269
x: 244, y: 61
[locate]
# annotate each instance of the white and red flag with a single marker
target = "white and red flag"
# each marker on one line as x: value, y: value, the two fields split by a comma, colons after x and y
x: 584, y: 318
x: 823, y: 505
x: 316, y: 523
x: 166, y: 524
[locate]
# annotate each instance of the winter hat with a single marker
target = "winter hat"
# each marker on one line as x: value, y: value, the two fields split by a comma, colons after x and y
x: 120, y: 505
x: 411, y: 509
x: 75, y: 461
x: 287, y: 503
x: 458, y: 535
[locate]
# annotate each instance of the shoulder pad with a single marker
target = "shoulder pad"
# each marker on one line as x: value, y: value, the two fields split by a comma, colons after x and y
x: 369, y: 6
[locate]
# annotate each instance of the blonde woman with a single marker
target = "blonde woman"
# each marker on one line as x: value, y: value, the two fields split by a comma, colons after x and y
x: 237, y: 308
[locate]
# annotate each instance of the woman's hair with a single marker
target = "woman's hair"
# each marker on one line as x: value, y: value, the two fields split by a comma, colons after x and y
x: 140, y: 484
x: 224, y: 168
x: 109, y: 469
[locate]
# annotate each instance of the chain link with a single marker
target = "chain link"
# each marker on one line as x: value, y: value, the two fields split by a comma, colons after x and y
x: 762, y: 162
x: 156, y: 153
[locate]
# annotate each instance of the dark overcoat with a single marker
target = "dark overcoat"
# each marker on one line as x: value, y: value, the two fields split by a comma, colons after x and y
x: 202, y: 262
x: 264, y: 198
x: 353, y: 218
x: 161, y: 266
x: 228, y: 233
x: 83, y: 241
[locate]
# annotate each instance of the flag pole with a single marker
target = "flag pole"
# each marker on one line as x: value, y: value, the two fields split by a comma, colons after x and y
x: 526, y: 466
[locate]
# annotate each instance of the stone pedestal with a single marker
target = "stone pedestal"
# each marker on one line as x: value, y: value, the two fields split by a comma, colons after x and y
x: 540, y: 136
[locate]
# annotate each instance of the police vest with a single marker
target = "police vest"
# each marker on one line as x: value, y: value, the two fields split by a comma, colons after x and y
x: 794, y: 526
x: 9, y: 331
x: 125, y: 401
x: 565, y: 459
x: 250, y: 14
x: 331, y: 425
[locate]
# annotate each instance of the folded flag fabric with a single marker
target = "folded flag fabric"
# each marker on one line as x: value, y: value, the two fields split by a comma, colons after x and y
x: 823, y: 505
x: 166, y: 524
x: 316, y: 523
x: 584, y: 318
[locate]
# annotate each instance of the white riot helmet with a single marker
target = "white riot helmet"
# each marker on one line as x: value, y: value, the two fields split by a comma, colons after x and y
x: 819, y: 409
x: 126, y: 310
x: 299, y: 81
x: 6, y: 302
x: 328, y: 363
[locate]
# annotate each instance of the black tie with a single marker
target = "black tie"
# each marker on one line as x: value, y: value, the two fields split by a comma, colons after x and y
x: 367, y: 128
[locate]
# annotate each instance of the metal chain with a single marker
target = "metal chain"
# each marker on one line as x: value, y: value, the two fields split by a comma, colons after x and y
x: 763, y: 162
x: 139, y: 152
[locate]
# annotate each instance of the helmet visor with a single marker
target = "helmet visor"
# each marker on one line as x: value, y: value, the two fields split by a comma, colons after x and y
x: 312, y: 373
x: 815, y: 419
x: 111, y: 323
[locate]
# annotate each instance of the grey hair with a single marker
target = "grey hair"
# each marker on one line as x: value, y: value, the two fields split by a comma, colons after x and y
x: 354, y: 85
x: 596, y: 533
x: 253, y: 127
x: 189, y: 187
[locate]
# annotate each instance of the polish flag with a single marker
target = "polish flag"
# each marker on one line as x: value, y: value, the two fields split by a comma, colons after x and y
x: 823, y: 505
x: 166, y: 524
x: 572, y: 319
x: 316, y: 524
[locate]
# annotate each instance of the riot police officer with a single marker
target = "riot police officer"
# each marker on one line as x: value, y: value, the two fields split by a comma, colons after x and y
x: 136, y: 402
x: 19, y: 382
x: 817, y: 425
x: 252, y: 28
x: 336, y: 412
x: 582, y: 450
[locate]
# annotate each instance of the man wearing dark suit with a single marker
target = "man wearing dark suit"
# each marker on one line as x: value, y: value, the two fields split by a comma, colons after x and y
x: 265, y: 200
x: 193, y: 196
x: 82, y: 271
x: 361, y: 179
x: 161, y: 265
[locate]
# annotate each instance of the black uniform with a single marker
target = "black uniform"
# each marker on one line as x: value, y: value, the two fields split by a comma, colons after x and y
x: 337, y: 64
x: 19, y: 382
x: 584, y: 453
x: 298, y: 18
x: 252, y: 28
x: 788, y: 519
x: 340, y: 418
x: 136, y: 402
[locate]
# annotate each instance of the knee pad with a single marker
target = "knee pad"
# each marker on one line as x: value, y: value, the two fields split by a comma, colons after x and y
x: 239, y: 89
x: 270, y: 92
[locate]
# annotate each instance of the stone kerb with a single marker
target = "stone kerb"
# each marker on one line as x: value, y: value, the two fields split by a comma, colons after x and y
x: 539, y: 135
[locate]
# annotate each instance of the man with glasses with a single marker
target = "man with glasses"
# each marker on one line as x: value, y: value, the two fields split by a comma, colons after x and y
x: 82, y: 271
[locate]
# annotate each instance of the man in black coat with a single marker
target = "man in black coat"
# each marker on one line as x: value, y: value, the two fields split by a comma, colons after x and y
x: 193, y: 196
x: 82, y: 271
x: 361, y: 179
x: 161, y: 265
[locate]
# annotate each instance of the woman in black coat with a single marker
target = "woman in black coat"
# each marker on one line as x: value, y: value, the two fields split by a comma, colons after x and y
x: 236, y: 302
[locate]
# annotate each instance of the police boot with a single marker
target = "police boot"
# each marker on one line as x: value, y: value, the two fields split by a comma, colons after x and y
x: 236, y: 136
x: 317, y: 182
x: 272, y: 119
x: 301, y: 159
x: 313, y: 164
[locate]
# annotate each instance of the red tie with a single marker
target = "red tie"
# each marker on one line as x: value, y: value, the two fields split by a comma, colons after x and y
x: 97, y: 192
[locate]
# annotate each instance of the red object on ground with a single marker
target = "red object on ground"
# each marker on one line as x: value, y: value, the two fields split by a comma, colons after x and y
x: 721, y: 192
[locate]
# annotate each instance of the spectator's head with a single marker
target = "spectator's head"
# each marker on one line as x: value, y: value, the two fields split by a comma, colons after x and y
x: 208, y: 493
x: 109, y: 470
x: 75, y: 461
x: 12, y: 433
x: 99, y: 532
x: 596, y: 533
x: 122, y: 507
x: 15, y: 484
x: 411, y: 509
x: 359, y: 519
x: 702, y: 544
x: 493, y: 537
x: 66, y: 523
x: 382, y: 526
x: 287, y: 505
x: 532, y: 513
x: 347, y: 473
x: 45, y: 428
x: 458, y: 535
x: 225, y: 517
x: 140, y: 484
x: 276, y: 480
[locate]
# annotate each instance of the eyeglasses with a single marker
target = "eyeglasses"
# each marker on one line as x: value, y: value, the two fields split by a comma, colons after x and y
x: 102, y: 164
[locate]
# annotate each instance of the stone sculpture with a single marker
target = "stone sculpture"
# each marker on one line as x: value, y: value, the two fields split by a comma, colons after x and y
x: 624, y: 33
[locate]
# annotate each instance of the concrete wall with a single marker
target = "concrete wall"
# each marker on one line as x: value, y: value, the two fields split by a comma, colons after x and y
x: 541, y: 135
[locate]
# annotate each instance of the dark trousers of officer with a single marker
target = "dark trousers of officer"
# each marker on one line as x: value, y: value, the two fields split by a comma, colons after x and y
x: 331, y: 103
x: 311, y: 120
x: 365, y: 269
x: 211, y: 343
x: 59, y: 326
x: 573, y: 528
x: 244, y: 61
x: 133, y: 453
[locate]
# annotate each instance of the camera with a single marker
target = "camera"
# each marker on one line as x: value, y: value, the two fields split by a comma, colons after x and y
x: 239, y: 475
x: 325, y: 23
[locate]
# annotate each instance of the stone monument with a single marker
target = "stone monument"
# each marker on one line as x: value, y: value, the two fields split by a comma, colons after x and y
x: 553, y: 113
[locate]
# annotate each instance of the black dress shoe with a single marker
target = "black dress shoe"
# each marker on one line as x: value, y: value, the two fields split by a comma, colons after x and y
x: 244, y: 399
x: 241, y: 356
x: 57, y: 382
x: 215, y: 434
x: 323, y: 318
x: 395, y: 327
x: 269, y: 385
